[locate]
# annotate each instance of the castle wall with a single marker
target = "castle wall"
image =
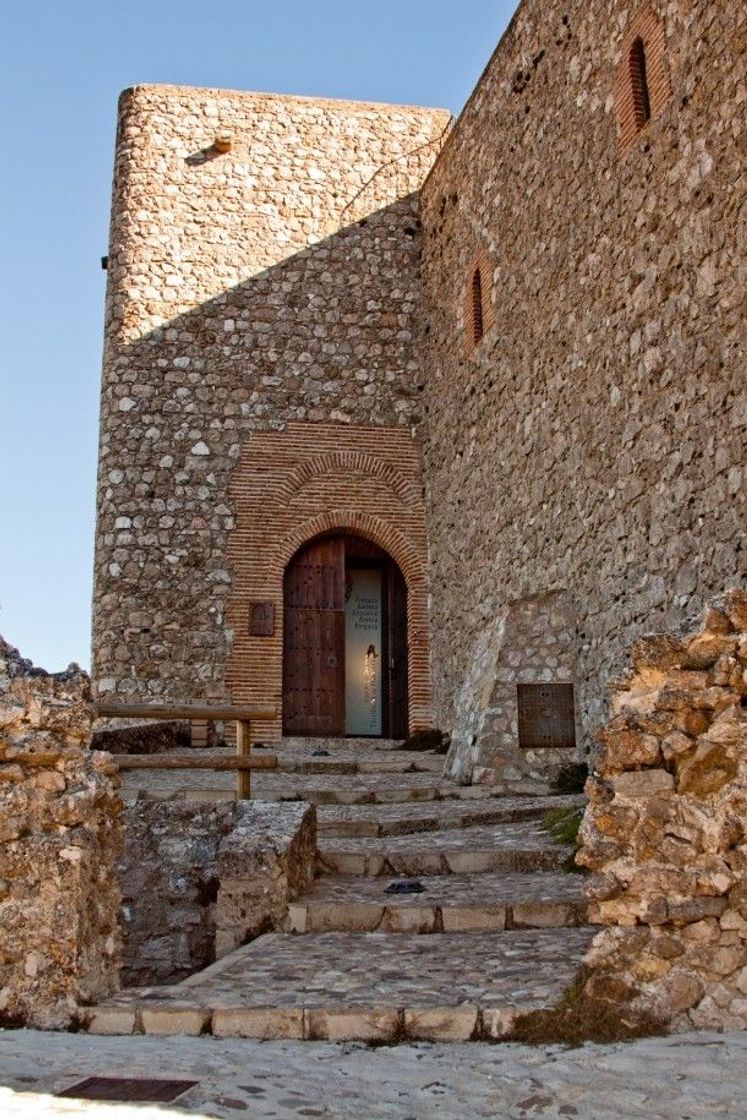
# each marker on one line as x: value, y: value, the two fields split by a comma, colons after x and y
x: 592, y: 441
x: 274, y: 283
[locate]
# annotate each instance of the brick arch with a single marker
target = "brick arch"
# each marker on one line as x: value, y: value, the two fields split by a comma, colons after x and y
x: 365, y: 525
x: 292, y: 485
x: 361, y: 462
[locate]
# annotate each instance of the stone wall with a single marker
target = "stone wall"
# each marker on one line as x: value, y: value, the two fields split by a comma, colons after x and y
x: 665, y: 832
x: 198, y: 880
x: 60, y: 834
x: 277, y: 282
x: 533, y: 641
x: 594, y: 439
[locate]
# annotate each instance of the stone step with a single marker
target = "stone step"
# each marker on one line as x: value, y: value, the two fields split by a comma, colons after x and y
x: 496, y: 848
x: 336, y: 743
x: 393, y: 820
x: 371, y: 987
x: 320, y: 789
x: 343, y: 758
x: 449, y: 904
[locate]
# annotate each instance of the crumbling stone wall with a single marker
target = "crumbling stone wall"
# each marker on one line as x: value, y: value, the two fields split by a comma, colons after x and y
x: 198, y: 880
x: 60, y: 835
x: 594, y: 438
x: 665, y: 832
x: 533, y: 641
x: 275, y: 282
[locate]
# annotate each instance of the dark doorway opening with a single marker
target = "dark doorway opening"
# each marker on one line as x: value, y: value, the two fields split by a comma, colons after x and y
x: 344, y: 640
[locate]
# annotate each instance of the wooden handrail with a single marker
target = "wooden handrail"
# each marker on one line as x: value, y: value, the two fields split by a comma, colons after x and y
x: 195, y: 760
x: 243, y: 762
x: 182, y: 711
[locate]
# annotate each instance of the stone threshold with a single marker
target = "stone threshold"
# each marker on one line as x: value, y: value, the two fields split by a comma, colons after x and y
x: 466, y: 1023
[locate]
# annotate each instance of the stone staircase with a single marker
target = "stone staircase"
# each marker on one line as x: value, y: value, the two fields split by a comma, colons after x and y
x: 440, y: 912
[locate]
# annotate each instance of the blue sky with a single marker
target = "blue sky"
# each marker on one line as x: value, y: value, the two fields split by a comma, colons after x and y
x: 62, y: 66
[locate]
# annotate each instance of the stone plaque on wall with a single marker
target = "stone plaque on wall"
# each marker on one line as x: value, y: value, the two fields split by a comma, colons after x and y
x: 546, y: 716
x: 261, y: 620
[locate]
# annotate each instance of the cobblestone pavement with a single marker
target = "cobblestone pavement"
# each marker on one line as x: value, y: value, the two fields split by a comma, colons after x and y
x: 686, y: 1077
x: 342, y: 970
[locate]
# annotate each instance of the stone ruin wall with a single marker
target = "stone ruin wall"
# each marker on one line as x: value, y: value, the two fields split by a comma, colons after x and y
x: 594, y: 439
x: 60, y: 837
x: 198, y: 880
x: 665, y: 831
x: 274, y: 282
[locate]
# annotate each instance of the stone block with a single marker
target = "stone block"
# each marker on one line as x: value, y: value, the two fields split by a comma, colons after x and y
x: 543, y: 915
x: 462, y: 919
x: 258, y: 1022
x: 441, y: 1024
x: 111, y: 1020
x: 167, y: 1020
x: 351, y: 1024
x: 408, y: 919
x: 498, y: 1022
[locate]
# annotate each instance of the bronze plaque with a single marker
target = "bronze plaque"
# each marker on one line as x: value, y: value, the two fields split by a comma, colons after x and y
x: 261, y: 620
x: 546, y: 716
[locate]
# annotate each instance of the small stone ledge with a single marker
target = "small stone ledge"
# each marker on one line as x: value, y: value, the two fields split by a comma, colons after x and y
x: 199, y: 879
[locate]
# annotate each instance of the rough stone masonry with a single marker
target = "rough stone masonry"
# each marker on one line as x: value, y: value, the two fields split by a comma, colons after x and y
x: 60, y: 836
x: 286, y: 271
x: 665, y: 833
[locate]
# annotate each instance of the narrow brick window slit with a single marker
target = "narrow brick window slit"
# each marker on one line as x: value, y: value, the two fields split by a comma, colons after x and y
x: 639, y: 82
x: 478, y: 319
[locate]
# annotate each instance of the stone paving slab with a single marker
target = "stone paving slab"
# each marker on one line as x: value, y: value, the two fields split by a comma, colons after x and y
x: 456, y: 903
x: 686, y: 1077
x: 509, y: 847
x: 360, y: 986
x: 392, y: 820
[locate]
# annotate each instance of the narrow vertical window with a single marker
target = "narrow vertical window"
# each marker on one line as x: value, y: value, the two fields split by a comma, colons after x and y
x: 639, y: 83
x: 478, y: 322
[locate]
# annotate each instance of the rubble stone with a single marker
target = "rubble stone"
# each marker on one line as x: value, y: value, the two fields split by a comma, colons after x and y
x: 60, y: 945
x: 199, y: 880
x: 673, y: 884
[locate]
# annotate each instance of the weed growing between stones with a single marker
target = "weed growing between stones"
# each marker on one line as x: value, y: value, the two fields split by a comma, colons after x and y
x: 563, y: 825
x: 579, y: 1017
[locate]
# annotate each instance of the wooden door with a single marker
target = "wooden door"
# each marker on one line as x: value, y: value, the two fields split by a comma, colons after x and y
x: 398, y: 690
x: 314, y: 641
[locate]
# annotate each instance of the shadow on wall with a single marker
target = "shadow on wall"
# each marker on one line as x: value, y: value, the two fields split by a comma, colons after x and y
x: 327, y: 335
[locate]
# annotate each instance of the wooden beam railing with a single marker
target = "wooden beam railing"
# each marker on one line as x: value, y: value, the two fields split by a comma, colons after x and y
x: 243, y: 762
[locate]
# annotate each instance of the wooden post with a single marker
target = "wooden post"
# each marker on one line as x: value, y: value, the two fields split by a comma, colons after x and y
x: 243, y: 750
